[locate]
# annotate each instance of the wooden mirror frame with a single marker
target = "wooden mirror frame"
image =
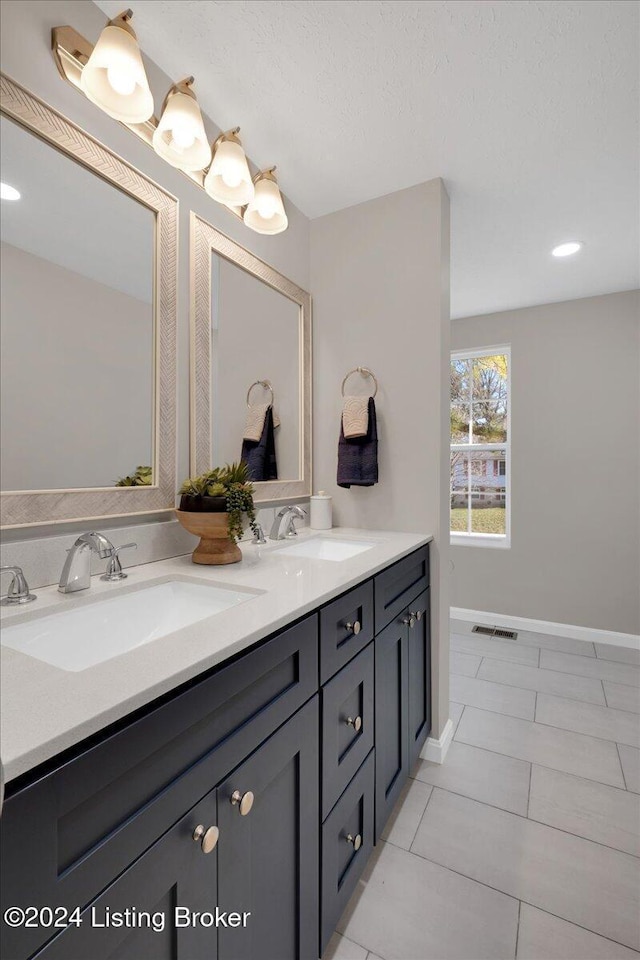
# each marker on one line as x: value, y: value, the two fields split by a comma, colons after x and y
x: 36, y: 507
x: 205, y: 241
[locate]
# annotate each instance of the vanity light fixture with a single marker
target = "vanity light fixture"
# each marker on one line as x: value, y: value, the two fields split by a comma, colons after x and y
x: 228, y: 179
x: 566, y: 249
x: 180, y: 137
x: 7, y: 192
x: 266, y: 213
x: 111, y: 74
x: 114, y: 77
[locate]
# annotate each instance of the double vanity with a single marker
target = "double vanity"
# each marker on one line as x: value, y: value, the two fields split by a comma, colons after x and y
x: 198, y: 761
x: 227, y: 740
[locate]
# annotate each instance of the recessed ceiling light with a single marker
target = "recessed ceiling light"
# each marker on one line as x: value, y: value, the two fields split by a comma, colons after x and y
x: 566, y: 249
x: 8, y: 192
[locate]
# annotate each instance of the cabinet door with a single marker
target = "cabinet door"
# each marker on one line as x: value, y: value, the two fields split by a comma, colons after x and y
x: 392, y: 729
x: 174, y: 872
x: 268, y: 856
x: 419, y: 657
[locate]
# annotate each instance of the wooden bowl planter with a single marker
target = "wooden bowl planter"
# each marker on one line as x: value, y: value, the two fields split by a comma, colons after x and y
x: 207, y: 518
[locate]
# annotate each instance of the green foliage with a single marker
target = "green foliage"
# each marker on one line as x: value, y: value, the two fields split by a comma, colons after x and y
x: 141, y: 478
x: 231, y: 482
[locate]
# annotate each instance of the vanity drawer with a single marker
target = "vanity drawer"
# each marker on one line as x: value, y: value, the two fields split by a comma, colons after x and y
x: 347, y: 725
x: 342, y: 864
x: 399, y: 584
x: 66, y: 836
x: 346, y: 627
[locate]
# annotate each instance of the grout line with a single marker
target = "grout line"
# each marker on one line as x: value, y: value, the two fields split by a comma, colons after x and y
x: 604, y: 693
x: 542, y: 723
x: 521, y: 816
x: 446, y: 866
x: 624, y: 779
x: 504, y: 683
x: 478, y: 668
x: 554, y: 726
x: 535, y: 708
x: 539, y: 656
x: 528, y: 902
x: 515, y: 954
x: 510, y: 756
x: 511, y: 895
x: 421, y: 817
x: 529, y: 790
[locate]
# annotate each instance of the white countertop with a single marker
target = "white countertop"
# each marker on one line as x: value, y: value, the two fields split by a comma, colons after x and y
x: 45, y: 710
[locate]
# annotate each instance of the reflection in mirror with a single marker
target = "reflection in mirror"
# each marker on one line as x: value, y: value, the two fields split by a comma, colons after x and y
x: 255, y: 336
x: 77, y: 324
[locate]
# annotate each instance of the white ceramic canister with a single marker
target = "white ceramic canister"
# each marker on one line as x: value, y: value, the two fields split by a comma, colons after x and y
x: 320, y: 514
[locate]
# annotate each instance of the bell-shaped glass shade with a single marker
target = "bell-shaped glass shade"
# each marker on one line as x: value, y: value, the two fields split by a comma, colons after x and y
x: 180, y: 137
x: 114, y: 77
x: 229, y: 177
x: 266, y: 213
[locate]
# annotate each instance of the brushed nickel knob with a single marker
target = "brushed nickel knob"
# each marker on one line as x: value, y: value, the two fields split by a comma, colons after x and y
x: 245, y: 801
x: 207, y: 838
x: 355, y: 723
x: 417, y: 615
x: 356, y: 841
x: 409, y: 621
x: 354, y: 626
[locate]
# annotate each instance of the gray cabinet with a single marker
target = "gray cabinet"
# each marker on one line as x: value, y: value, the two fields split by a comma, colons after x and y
x: 347, y: 842
x: 419, y: 662
x: 173, y: 872
x: 392, y: 710
x: 402, y: 676
x: 319, y: 724
x: 268, y: 856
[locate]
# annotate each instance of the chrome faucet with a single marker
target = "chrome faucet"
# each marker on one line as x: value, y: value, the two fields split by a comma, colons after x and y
x: 18, y: 591
x: 76, y: 573
x: 283, y: 525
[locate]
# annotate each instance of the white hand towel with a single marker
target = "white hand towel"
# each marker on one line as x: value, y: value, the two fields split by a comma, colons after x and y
x: 355, y: 416
x: 255, y: 421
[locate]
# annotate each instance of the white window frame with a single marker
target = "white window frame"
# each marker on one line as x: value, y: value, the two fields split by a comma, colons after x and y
x: 499, y: 540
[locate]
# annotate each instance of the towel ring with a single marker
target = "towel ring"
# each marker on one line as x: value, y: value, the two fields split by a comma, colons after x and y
x: 260, y: 383
x: 365, y: 373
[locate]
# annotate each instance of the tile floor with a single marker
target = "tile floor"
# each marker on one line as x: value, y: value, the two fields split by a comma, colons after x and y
x: 526, y: 843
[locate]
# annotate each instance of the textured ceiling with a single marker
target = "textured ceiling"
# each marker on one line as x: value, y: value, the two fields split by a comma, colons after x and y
x: 528, y: 110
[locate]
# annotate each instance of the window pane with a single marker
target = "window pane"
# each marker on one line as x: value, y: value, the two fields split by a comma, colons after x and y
x: 488, y: 491
x: 460, y: 432
x: 460, y: 373
x: 489, y: 422
x: 459, y: 491
x: 490, y: 379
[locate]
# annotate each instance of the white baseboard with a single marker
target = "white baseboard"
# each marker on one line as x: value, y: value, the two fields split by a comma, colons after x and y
x: 631, y: 640
x: 436, y: 750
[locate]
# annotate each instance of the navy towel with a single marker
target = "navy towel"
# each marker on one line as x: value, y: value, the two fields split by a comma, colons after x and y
x: 260, y: 457
x: 358, y: 456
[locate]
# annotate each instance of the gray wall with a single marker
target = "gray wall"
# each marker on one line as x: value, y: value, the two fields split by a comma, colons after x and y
x: 255, y: 337
x: 575, y: 418
x: 380, y: 277
x: 66, y: 383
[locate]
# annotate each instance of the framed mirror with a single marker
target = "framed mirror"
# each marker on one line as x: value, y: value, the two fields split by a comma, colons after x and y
x: 87, y: 325
x: 251, y: 367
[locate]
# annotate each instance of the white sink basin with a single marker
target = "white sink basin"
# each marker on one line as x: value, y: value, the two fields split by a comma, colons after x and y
x: 82, y: 637
x: 329, y: 548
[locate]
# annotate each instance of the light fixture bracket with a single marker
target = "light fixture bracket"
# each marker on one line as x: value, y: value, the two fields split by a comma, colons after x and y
x: 122, y: 21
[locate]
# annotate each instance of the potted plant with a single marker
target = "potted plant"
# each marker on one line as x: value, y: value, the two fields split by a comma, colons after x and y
x: 141, y: 478
x: 213, y: 507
